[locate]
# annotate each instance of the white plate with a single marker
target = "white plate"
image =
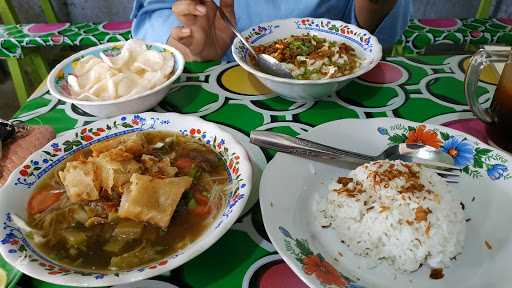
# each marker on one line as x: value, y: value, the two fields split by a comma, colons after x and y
x: 290, y: 186
x: 258, y: 163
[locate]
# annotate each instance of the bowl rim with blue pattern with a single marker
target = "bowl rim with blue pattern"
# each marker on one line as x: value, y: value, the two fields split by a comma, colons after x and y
x: 57, y: 77
x: 14, y: 195
x: 365, y: 44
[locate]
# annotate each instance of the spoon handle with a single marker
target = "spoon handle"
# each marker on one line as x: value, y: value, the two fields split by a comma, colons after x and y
x: 305, y: 148
x: 233, y: 28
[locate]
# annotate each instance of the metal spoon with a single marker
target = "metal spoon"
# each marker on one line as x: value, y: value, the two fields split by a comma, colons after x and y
x: 433, y: 158
x: 267, y: 63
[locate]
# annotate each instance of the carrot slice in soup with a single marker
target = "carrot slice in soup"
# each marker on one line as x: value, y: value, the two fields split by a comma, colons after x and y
x: 201, y: 200
x: 184, y: 164
x: 109, y: 206
x: 201, y: 211
x: 42, y: 200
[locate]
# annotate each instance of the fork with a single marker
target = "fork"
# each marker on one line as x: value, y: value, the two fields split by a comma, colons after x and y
x: 434, y: 159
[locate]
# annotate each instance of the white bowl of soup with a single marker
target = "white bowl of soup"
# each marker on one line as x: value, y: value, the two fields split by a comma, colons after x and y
x: 322, y: 55
x: 109, y: 200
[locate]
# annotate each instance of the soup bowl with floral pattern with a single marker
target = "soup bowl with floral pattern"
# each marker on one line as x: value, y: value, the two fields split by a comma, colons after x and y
x: 366, y: 46
x: 17, y: 249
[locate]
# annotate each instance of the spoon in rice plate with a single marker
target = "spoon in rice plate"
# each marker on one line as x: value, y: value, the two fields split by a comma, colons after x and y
x: 267, y: 63
x: 435, y: 159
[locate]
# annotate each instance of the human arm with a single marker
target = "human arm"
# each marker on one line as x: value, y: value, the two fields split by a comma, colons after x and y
x: 204, y: 35
x: 191, y: 26
x: 153, y: 20
x: 370, y: 13
x: 390, y: 24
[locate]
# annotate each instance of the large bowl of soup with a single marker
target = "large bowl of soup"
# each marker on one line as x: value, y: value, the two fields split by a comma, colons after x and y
x: 123, y: 199
x: 322, y: 55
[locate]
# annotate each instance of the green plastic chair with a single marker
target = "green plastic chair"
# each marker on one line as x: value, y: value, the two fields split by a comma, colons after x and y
x: 484, y: 10
x: 32, y: 59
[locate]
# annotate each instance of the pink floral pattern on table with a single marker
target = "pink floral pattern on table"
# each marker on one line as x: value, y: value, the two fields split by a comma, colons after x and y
x: 506, y: 21
x: 473, y: 127
x: 475, y: 34
x: 383, y: 73
x: 278, y: 275
x: 57, y: 39
x: 43, y: 28
x: 116, y: 26
x: 449, y: 23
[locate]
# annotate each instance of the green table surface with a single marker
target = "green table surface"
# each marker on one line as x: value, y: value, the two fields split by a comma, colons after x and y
x: 422, y: 33
x: 15, y: 37
x: 422, y: 89
x: 419, y: 34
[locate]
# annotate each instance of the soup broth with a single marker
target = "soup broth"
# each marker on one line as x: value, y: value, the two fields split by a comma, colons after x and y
x: 309, y: 57
x: 128, y: 201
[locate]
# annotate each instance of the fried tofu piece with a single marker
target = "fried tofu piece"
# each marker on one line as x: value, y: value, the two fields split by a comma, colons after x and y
x: 134, y: 144
x: 148, y: 161
x: 165, y: 169
x: 117, y: 154
x: 115, y: 168
x: 158, y: 168
x: 151, y: 199
x: 81, y: 181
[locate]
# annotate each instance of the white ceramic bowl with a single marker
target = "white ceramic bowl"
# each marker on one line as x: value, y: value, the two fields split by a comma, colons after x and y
x: 58, y: 86
x: 14, y: 195
x: 366, y: 45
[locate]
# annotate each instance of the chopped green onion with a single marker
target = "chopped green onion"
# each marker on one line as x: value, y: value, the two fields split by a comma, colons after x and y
x: 192, y: 204
x: 194, y: 172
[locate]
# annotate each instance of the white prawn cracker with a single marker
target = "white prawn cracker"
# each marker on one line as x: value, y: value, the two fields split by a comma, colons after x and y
x: 133, y: 71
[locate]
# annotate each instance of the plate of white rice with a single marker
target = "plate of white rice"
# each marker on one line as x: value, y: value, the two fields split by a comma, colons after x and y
x: 390, y: 223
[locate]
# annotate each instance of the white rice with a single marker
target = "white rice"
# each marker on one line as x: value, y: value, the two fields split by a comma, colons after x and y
x: 381, y: 223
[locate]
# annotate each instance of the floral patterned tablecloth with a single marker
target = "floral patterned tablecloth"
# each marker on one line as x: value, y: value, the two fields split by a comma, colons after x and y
x: 15, y: 37
x: 423, y: 89
x: 419, y: 34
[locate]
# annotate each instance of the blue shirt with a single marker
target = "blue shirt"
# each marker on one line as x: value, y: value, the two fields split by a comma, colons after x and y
x: 153, y: 19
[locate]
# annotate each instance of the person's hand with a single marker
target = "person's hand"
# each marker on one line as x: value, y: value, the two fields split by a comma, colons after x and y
x: 204, y: 35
